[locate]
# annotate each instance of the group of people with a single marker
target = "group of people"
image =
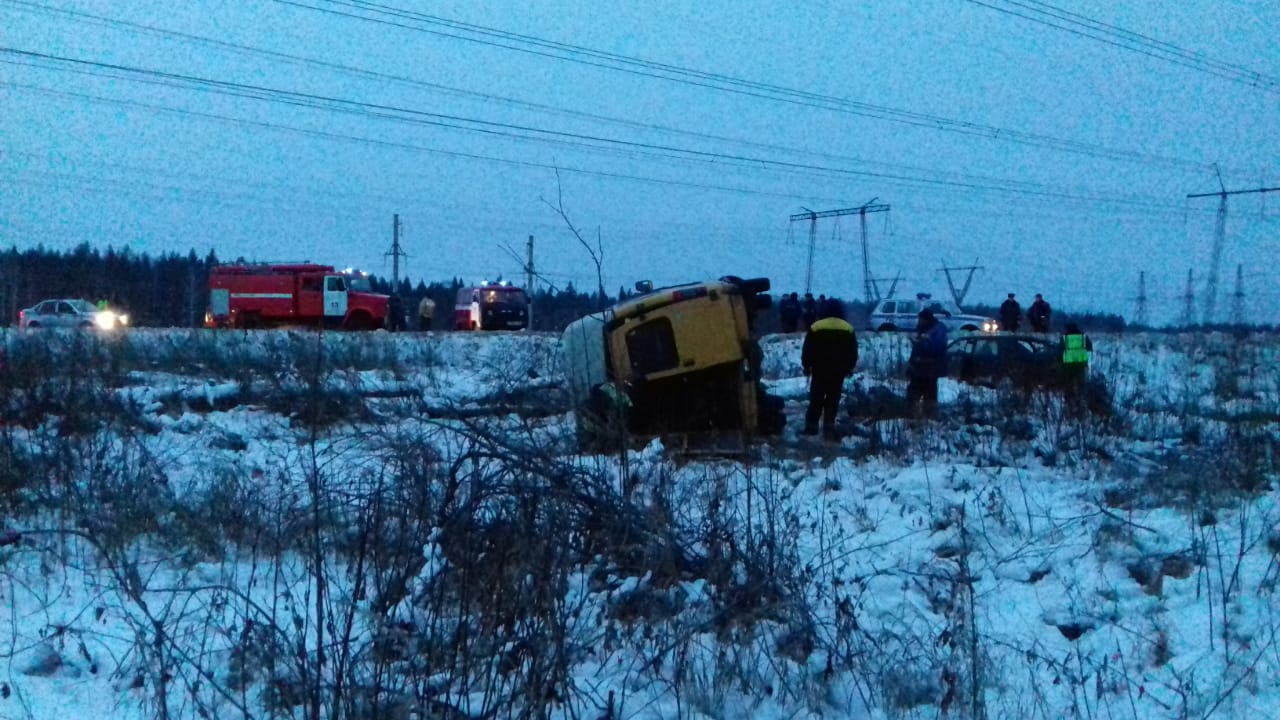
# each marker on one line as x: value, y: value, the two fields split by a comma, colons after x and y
x: 396, y: 321
x: 1037, y: 315
x: 796, y: 313
x: 830, y: 354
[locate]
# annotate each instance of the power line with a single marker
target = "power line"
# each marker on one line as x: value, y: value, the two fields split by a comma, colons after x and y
x: 1086, y: 27
x: 372, y: 74
x: 725, y: 83
x: 509, y: 130
x: 225, y: 181
x: 390, y: 144
x: 160, y: 191
x: 249, y: 50
x: 381, y: 76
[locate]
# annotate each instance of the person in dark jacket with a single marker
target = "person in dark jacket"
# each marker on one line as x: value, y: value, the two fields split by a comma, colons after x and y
x: 395, y: 313
x: 809, y: 310
x: 927, y: 363
x: 829, y: 355
x: 1038, y: 315
x: 789, y: 312
x: 1010, y: 314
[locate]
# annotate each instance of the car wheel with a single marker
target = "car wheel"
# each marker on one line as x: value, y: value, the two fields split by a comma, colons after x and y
x: 33, y: 325
x: 969, y: 328
x: 86, y: 325
x: 886, y: 327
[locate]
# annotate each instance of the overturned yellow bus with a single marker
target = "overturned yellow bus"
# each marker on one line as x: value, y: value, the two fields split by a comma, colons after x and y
x: 680, y: 362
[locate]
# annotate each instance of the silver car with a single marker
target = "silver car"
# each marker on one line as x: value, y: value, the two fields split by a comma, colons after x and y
x: 70, y: 313
x: 901, y: 314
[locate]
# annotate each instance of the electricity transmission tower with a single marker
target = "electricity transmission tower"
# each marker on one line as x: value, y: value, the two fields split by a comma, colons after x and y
x: 869, y: 288
x: 1237, y: 298
x: 958, y: 295
x: 893, y: 285
x: 1189, y: 302
x: 1219, y: 239
x: 1142, y: 299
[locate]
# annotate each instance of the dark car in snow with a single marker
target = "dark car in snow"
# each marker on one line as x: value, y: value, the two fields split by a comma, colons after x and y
x: 990, y: 359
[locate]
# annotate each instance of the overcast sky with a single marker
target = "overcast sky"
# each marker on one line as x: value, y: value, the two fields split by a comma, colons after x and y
x: 1054, y: 144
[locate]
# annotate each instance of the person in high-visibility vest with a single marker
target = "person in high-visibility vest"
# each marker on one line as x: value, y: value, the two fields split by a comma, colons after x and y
x: 426, y: 313
x: 1076, y: 351
x: 828, y: 356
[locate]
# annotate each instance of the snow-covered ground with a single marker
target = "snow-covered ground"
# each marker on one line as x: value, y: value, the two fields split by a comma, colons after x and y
x: 237, y: 524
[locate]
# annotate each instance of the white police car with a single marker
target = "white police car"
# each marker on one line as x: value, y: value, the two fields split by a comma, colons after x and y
x: 902, y: 314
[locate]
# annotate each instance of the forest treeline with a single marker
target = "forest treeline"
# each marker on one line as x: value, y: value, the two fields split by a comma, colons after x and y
x: 170, y: 290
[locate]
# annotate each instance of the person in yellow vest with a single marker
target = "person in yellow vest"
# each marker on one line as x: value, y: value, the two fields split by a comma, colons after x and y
x: 426, y: 313
x: 1076, y: 350
x: 828, y: 356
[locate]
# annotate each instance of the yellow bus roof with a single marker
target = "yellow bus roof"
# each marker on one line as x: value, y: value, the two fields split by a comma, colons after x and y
x: 668, y: 295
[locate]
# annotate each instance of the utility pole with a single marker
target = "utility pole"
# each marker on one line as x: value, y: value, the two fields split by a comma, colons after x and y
x: 528, y: 277
x: 1237, y: 299
x: 191, y: 293
x: 958, y: 296
x: 1142, y: 299
x: 870, y: 290
x: 808, y: 266
x: 396, y: 253
x: 1219, y: 239
x: 1189, y: 302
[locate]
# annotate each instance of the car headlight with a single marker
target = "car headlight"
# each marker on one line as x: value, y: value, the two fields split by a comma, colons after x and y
x: 105, y: 319
x: 990, y: 326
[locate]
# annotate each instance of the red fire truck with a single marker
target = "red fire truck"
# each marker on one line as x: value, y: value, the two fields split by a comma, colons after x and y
x: 491, y: 306
x: 273, y: 295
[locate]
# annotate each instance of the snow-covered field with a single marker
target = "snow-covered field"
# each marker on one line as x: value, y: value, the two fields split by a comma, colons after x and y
x: 276, y: 524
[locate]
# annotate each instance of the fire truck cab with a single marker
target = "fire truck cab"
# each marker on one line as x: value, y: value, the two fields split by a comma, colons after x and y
x: 272, y: 295
x: 491, y: 306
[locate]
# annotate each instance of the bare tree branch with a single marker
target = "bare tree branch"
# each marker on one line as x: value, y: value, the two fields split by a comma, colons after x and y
x: 596, y: 253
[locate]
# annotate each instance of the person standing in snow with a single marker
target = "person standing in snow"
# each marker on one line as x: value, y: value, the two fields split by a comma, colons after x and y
x: 927, y: 363
x: 1076, y: 349
x: 1038, y: 315
x: 426, y: 313
x: 828, y: 356
x: 809, y: 310
x: 789, y: 312
x: 395, y: 313
x: 1010, y: 314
